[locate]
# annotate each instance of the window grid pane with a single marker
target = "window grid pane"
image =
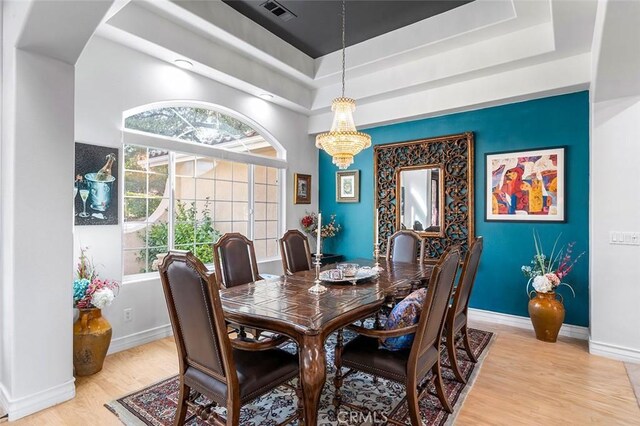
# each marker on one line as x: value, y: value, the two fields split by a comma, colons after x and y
x: 266, y: 218
x: 210, y: 198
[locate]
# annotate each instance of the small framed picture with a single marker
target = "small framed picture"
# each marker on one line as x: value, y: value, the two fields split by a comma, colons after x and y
x: 526, y: 186
x: 348, y: 186
x: 301, y: 189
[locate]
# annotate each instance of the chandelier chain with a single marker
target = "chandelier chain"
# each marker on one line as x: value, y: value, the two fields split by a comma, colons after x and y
x: 344, y: 14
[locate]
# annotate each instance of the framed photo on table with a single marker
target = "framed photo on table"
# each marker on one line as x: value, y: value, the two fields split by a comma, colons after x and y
x: 348, y: 186
x: 301, y: 189
x: 526, y: 186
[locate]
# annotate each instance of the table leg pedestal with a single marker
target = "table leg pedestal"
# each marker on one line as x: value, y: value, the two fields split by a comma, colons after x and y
x: 313, y: 374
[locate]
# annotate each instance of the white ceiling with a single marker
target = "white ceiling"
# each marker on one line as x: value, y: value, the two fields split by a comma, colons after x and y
x: 482, y: 53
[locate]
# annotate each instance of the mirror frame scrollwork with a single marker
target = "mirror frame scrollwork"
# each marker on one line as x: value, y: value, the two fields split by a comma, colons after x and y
x: 399, y: 170
x: 454, y: 156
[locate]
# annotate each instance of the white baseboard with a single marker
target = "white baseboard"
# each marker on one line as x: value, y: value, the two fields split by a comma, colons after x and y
x: 614, y: 351
x: 140, y: 338
x: 568, y: 330
x: 30, y: 404
x: 4, y: 401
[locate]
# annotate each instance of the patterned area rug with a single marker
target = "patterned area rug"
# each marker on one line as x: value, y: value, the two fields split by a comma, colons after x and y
x: 156, y: 404
x: 633, y: 370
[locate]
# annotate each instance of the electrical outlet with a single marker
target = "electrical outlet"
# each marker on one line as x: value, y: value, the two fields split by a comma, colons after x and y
x: 624, y: 238
x: 128, y: 314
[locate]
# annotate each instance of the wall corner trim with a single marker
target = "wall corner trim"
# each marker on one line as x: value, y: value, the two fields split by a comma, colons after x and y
x: 38, y: 401
x: 568, y: 330
x: 608, y: 350
x: 139, y: 338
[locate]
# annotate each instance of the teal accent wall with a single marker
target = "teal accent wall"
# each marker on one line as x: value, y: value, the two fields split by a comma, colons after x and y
x: 500, y: 286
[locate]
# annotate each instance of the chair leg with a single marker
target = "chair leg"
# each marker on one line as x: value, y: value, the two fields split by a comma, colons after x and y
x: 337, y: 380
x: 233, y: 414
x: 437, y: 374
x: 467, y: 344
x: 300, y: 409
x: 181, y: 412
x: 453, y: 358
x: 412, y: 402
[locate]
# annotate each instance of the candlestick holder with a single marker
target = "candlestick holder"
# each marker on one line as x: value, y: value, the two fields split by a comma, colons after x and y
x: 317, y: 288
x: 376, y: 254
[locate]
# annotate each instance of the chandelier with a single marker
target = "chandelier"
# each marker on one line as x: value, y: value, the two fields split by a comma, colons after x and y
x: 343, y: 141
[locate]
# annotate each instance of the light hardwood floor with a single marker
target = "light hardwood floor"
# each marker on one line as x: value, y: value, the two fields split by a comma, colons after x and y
x: 522, y: 381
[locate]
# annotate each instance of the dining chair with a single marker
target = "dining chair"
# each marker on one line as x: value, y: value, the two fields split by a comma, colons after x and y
x: 295, y: 252
x: 234, y: 260
x: 410, y: 366
x: 457, y: 314
x: 405, y: 246
x: 228, y: 372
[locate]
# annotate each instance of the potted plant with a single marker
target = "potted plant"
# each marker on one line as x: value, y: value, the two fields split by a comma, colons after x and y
x: 91, y: 331
x: 546, y: 275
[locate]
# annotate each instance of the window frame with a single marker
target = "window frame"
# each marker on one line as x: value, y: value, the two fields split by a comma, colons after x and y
x: 179, y: 146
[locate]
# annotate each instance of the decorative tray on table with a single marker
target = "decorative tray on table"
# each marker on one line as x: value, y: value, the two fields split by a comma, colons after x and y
x: 336, y: 276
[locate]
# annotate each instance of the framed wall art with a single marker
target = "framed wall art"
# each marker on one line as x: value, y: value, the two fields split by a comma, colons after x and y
x: 301, y: 189
x: 526, y: 186
x: 95, y: 187
x: 348, y: 186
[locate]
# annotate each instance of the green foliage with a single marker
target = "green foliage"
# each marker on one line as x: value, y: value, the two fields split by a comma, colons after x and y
x: 188, y: 231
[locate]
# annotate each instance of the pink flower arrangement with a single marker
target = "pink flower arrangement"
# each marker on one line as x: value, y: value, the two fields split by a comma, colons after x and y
x: 89, y: 291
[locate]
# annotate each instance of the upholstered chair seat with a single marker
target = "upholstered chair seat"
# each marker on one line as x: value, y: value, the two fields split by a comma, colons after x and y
x: 254, y: 378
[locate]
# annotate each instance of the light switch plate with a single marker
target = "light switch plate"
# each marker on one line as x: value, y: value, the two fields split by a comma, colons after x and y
x: 624, y: 238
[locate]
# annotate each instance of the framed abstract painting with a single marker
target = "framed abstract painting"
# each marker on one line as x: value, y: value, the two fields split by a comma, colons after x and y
x: 526, y: 186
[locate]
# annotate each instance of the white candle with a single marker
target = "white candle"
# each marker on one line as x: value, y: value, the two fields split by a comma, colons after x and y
x: 377, y: 223
x: 319, y: 233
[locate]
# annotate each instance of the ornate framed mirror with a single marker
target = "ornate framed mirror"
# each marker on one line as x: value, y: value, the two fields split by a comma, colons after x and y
x: 426, y: 185
x: 421, y: 191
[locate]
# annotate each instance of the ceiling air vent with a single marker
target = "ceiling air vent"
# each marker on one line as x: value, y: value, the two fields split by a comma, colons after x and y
x: 278, y: 10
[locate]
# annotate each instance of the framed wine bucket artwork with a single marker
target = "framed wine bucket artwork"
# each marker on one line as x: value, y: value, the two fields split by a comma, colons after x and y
x: 95, y: 185
x: 348, y: 186
x: 526, y: 186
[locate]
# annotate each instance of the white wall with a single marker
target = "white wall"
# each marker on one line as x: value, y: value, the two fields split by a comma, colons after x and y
x: 615, y: 206
x: 37, y: 244
x: 615, y: 203
x: 111, y: 79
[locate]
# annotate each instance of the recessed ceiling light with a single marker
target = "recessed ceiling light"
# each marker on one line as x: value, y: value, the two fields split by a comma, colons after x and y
x: 183, y: 63
x: 266, y: 96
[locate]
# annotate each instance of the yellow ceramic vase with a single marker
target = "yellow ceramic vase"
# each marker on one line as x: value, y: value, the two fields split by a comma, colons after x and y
x: 547, y: 316
x: 91, y: 339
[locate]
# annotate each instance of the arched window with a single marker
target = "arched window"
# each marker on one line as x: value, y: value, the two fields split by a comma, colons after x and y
x: 193, y: 173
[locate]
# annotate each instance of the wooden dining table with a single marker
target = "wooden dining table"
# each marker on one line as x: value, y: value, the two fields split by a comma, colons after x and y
x: 285, y: 306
